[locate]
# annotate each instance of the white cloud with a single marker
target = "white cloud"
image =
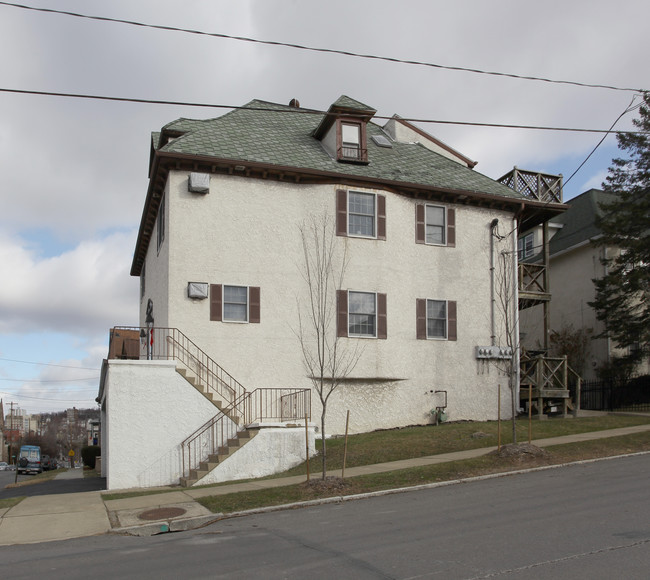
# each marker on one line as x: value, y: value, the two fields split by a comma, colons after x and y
x: 81, y: 292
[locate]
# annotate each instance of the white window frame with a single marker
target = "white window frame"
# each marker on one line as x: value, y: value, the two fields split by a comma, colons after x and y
x: 374, y: 314
x: 446, y: 319
x: 524, y: 250
x: 246, y: 304
x: 350, y: 213
x: 444, y: 225
x: 351, y: 145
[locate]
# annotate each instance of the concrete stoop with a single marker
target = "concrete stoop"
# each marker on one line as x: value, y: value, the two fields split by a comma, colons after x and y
x: 222, y: 454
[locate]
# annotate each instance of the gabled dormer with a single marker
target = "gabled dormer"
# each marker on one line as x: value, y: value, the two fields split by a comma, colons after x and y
x: 342, y: 130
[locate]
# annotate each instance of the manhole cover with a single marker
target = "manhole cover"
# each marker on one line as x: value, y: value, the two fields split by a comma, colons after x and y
x: 162, y: 513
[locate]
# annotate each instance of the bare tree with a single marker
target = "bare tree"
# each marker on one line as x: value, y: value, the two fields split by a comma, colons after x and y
x: 326, y: 359
x: 506, y: 337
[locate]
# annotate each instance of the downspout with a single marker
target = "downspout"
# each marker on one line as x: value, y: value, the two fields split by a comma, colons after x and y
x: 493, y: 225
x: 516, y: 346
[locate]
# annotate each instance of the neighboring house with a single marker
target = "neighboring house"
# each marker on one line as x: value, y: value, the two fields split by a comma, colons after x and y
x: 219, y: 257
x: 575, y: 261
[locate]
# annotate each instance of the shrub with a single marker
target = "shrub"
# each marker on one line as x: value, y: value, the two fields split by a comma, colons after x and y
x: 89, y: 454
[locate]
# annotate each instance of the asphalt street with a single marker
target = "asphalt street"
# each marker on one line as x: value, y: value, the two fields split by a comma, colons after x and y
x: 54, y: 486
x: 581, y: 521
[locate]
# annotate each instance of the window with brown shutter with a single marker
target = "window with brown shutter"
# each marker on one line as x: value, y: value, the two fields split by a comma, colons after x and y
x: 362, y: 314
x: 254, y: 304
x: 215, y: 302
x: 382, y: 319
x: 360, y: 214
x: 451, y: 227
x: 452, y: 333
x: 342, y: 313
x: 234, y: 303
x: 435, y: 225
x: 421, y: 318
x: 436, y: 319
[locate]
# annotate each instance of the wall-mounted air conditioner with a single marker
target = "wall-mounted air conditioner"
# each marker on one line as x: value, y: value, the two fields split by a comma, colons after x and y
x: 199, y: 182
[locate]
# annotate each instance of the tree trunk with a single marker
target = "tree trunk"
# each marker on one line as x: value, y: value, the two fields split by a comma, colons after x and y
x: 322, y: 433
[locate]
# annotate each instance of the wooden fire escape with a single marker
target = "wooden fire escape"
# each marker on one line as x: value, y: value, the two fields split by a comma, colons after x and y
x: 544, y: 381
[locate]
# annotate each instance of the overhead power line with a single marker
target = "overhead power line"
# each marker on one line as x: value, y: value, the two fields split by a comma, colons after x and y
x: 298, y: 111
x: 319, y: 49
x: 629, y: 108
x: 27, y: 362
x: 50, y: 381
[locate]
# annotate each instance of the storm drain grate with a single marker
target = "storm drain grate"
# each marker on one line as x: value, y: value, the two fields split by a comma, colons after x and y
x: 162, y: 513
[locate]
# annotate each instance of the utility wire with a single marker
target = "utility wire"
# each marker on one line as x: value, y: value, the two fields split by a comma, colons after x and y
x: 299, y: 111
x: 27, y: 362
x: 50, y: 381
x: 317, y: 49
x: 627, y: 110
x: 43, y: 398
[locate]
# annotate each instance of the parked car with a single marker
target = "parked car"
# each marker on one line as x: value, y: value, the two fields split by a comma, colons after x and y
x: 4, y: 466
x: 46, y: 462
x: 29, y: 459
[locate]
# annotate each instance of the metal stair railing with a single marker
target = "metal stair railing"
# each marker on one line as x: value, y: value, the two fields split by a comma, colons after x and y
x: 246, y: 407
x: 259, y: 405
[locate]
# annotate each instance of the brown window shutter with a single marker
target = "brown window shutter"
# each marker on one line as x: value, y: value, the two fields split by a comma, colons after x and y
x: 215, y: 302
x: 421, y: 318
x: 452, y: 333
x: 419, y: 224
x: 342, y: 313
x: 451, y: 227
x: 381, y: 217
x: 254, y: 304
x: 341, y: 212
x: 382, y: 319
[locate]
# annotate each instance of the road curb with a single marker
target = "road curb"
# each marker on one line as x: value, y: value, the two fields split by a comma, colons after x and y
x: 359, y: 496
x: 165, y: 527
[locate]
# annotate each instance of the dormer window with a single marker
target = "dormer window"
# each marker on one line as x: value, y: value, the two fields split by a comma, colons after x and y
x: 351, y: 139
x: 342, y: 130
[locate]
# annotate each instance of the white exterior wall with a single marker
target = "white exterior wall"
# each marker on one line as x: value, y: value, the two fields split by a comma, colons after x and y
x: 151, y: 409
x: 272, y: 450
x: 245, y: 232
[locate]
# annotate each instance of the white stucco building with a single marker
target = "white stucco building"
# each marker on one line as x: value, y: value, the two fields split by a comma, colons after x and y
x: 219, y: 255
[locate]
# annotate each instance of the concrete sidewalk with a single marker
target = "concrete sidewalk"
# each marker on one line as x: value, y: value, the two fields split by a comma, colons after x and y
x: 59, y: 517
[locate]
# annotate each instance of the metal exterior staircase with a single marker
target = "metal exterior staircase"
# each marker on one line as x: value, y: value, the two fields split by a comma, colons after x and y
x: 240, y: 411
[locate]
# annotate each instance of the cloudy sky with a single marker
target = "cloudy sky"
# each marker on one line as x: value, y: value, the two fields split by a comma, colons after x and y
x: 73, y: 172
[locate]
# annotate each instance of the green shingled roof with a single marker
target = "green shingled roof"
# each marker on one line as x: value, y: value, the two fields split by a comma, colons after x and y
x: 274, y: 134
x: 579, y: 221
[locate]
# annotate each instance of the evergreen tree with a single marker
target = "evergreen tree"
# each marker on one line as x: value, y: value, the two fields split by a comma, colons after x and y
x: 622, y: 295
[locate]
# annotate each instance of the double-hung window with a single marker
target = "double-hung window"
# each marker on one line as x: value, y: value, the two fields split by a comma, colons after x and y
x: 435, y: 225
x: 350, y: 141
x: 436, y: 319
x: 525, y: 246
x: 234, y: 303
x: 361, y: 314
x: 360, y: 214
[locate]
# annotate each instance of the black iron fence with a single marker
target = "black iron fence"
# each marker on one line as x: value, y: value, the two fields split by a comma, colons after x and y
x: 631, y: 395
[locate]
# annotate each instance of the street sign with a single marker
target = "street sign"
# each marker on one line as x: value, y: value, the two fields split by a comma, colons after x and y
x: 71, y: 453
